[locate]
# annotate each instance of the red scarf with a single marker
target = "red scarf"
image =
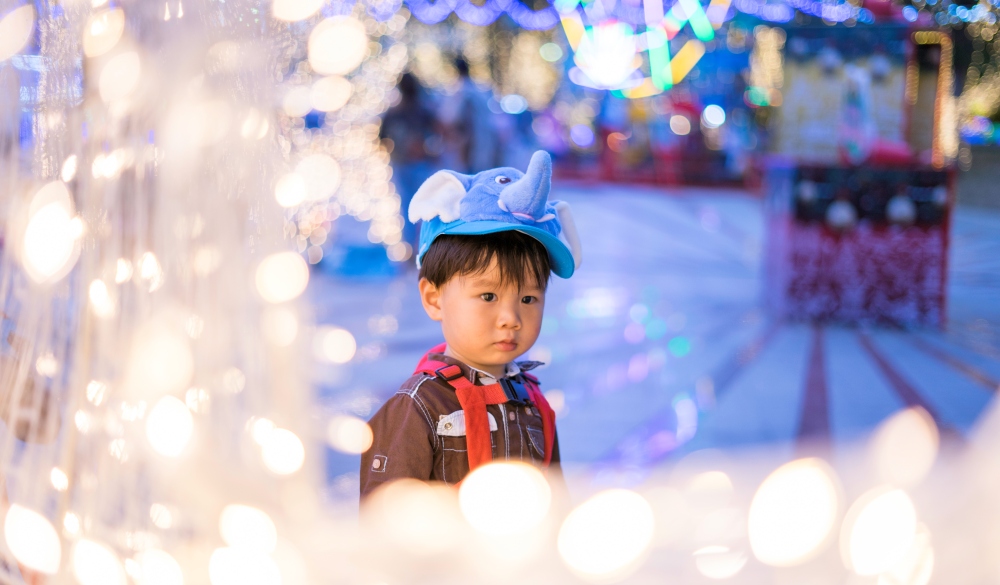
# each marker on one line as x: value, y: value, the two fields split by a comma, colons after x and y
x: 474, y: 399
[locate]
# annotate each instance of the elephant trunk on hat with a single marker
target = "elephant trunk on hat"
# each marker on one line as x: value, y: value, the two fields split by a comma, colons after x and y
x: 526, y: 198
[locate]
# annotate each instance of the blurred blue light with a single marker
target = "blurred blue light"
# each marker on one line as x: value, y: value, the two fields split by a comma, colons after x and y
x: 713, y: 116
x: 679, y: 346
x: 910, y: 13
x: 582, y: 135
x: 513, y: 104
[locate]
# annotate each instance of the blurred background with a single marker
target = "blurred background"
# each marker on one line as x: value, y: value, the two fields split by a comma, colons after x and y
x: 787, y: 215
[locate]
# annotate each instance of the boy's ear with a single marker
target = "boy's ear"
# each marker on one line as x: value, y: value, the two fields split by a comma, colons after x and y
x: 430, y: 297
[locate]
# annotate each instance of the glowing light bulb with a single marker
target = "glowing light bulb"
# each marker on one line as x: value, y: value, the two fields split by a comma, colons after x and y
x: 349, y: 434
x: 120, y: 76
x: 329, y: 94
x: 157, y: 567
x: 32, y: 539
x: 338, y: 45
x: 282, y: 452
x: 169, y: 426
x: 878, y: 531
x: 230, y: 566
x: 793, y: 513
x: 282, y: 277
x: 247, y: 528
x: 68, y: 171
x: 487, y: 485
x: 334, y: 345
x: 15, y: 30
x: 291, y: 190
x: 103, y: 31
x: 604, y: 537
x: 96, y: 564
x: 295, y: 10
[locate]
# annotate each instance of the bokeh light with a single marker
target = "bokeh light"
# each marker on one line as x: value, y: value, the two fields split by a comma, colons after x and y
x: 158, y: 567
x: 719, y: 562
x: 103, y: 31
x: 282, y: 277
x: 59, y: 479
x: 32, y: 539
x: 169, y: 426
x: 50, y: 243
x: 419, y: 518
x: 792, y: 515
x: 329, y: 94
x: 604, y: 537
x: 15, y: 30
x: 485, y: 486
x: 680, y: 125
x: 905, y: 446
x: 713, y: 116
x: 334, y: 345
x: 100, y: 299
x: 349, y: 434
x: 280, y: 326
x: 161, y: 361
x: 247, y: 528
x: 321, y: 174
x: 69, y: 167
x: 878, y: 531
x: 231, y: 566
x: 290, y: 190
x: 120, y: 76
x: 551, y: 52
x: 282, y: 451
x: 295, y: 10
x: 338, y: 45
x: 96, y: 564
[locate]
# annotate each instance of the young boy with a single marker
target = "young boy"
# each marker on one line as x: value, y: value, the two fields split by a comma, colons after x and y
x: 487, y: 246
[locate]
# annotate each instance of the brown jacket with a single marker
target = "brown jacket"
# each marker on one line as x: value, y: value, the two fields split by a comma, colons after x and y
x: 420, y: 432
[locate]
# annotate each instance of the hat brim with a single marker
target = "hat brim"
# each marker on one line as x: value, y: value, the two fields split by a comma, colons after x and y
x: 559, y: 253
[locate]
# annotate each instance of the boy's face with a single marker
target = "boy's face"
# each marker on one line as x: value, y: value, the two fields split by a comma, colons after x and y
x: 486, y: 324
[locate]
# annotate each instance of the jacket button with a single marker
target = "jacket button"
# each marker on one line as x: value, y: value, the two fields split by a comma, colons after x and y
x: 512, y: 416
x: 447, y: 426
x: 376, y: 464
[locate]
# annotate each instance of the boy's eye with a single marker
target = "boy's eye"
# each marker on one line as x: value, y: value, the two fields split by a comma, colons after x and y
x: 502, y: 180
x: 488, y: 297
x: 528, y: 300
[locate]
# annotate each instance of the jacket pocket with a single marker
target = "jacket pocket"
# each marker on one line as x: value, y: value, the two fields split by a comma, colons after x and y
x: 537, y: 439
x: 454, y: 447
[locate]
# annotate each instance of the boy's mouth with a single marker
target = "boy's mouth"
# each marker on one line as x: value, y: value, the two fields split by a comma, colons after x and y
x: 506, y: 345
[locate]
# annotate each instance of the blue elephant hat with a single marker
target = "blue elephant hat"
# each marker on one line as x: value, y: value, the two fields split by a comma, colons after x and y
x: 499, y: 200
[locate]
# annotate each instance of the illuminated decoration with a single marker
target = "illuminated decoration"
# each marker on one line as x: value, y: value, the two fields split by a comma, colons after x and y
x: 485, y: 14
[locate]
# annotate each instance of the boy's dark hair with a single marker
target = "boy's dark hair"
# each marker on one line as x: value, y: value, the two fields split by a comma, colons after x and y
x: 521, y: 259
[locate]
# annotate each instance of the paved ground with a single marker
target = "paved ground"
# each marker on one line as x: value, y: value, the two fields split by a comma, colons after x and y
x: 659, y: 345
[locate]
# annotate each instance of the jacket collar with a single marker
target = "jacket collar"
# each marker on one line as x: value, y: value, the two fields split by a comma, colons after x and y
x: 477, y: 376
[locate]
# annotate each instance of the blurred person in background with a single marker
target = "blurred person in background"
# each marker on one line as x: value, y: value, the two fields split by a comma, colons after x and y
x: 411, y: 135
x: 470, y: 135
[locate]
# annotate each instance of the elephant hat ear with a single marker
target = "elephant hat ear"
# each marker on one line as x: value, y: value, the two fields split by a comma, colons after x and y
x: 439, y: 196
x: 569, y: 232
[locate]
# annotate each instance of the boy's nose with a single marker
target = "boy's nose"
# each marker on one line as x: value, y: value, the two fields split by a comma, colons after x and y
x: 508, y: 319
